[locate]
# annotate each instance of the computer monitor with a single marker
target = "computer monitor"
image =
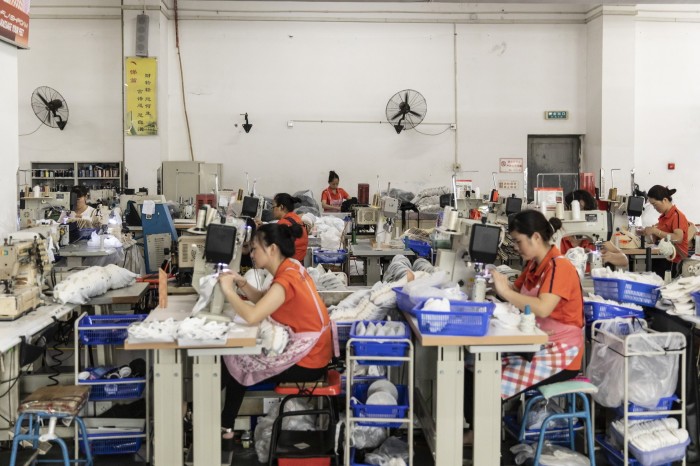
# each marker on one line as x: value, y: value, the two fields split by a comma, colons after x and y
x: 220, y: 245
x: 635, y: 206
x: 250, y: 207
x: 483, y: 243
x: 513, y: 205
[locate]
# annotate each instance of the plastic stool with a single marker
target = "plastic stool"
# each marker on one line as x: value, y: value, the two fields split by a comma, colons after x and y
x: 52, y: 403
x: 323, y: 446
x: 563, y: 389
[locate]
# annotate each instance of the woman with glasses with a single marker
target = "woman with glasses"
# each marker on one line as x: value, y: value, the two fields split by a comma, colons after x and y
x: 283, y: 211
x: 672, y: 225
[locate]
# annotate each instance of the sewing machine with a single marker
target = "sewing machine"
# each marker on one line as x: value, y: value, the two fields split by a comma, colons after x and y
x: 593, y: 224
x: 34, y: 209
x: 388, y: 211
x: 222, y: 249
x: 131, y: 204
x: 23, y: 265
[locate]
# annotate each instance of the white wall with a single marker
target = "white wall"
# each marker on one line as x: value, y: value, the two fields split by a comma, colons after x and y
x: 81, y: 59
x: 668, y: 110
x: 8, y: 136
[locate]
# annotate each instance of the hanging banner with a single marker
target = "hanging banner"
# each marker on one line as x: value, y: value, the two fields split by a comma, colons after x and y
x: 140, y: 84
x: 14, y: 22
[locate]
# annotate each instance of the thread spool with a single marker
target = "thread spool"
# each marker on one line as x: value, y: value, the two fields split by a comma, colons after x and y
x: 363, y: 193
x: 479, y: 291
x: 375, y: 200
x: 451, y: 220
x: 201, y: 219
x: 37, y: 191
x: 559, y: 211
x: 543, y: 208
x: 211, y: 215
x: 575, y: 210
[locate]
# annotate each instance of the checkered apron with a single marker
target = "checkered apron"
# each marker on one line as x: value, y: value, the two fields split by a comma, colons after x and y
x: 564, y: 341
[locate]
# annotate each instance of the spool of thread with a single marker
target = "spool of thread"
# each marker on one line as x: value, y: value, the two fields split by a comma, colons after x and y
x: 211, y: 215
x: 575, y: 210
x: 375, y: 200
x: 201, y: 218
x: 363, y: 193
x: 559, y: 211
x: 527, y: 321
x: 543, y: 208
x: 479, y: 291
x: 451, y: 220
x: 37, y: 191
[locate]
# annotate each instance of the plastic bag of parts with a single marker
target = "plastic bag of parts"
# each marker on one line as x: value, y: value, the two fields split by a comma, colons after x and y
x: 308, y: 203
x: 368, y: 437
x: 263, y: 430
x: 400, y: 194
x: 393, y: 452
x: 552, y: 455
x: 539, y: 412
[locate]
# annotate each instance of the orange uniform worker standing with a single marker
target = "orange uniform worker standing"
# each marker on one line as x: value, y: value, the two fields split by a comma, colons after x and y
x: 332, y: 197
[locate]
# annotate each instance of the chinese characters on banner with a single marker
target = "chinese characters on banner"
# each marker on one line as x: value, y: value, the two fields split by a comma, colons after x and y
x: 14, y: 22
x: 141, y: 114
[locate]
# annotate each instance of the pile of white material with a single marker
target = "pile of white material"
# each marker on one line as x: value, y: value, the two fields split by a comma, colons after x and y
x: 274, y: 337
x: 198, y: 328
x: 646, y: 278
x: 393, y: 452
x: 79, y: 287
x: 325, y: 280
x: 653, y: 435
x: 428, y: 200
x: 678, y: 293
x: 329, y: 229
x: 106, y: 241
x: 599, y: 299
x: 437, y: 304
x: 386, y: 329
x: 164, y: 330
x: 506, y: 315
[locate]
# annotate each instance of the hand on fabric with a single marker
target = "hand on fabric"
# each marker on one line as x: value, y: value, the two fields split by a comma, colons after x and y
x: 650, y: 230
x: 500, y: 282
x: 229, y: 278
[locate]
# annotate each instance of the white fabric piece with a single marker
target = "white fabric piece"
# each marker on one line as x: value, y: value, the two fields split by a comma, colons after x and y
x: 599, y: 299
x: 165, y: 330
x: 646, y: 278
x: 274, y: 337
x: 106, y: 241
x: 206, y: 290
x: 79, y: 287
x: 197, y: 328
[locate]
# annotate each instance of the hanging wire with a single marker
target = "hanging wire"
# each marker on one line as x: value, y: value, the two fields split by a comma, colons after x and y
x: 37, y: 129
x: 428, y: 134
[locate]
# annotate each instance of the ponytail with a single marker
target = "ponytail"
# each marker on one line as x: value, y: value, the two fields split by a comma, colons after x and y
x: 332, y: 176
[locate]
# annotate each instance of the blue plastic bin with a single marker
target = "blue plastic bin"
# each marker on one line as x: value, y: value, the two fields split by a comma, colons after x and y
x: 696, y: 298
x: 421, y: 248
x: 665, y: 404
x: 106, y: 330
x: 662, y: 457
x: 466, y: 318
x: 330, y: 256
x: 115, y: 389
x: 403, y: 300
x: 107, y: 444
x: 379, y: 346
x: 557, y: 436
x: 625, y: 291
x: 360, y: 409
x: 598, y: 311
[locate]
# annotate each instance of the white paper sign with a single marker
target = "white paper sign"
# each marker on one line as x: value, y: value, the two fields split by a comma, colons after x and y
x: 510, y: 165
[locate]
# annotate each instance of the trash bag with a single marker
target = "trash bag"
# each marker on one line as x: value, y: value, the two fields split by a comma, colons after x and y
x: 308, y: 203
x: 552, y: 455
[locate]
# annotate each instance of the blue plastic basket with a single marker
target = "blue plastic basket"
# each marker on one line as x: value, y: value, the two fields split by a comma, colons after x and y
x: 559, y: 436
x: 107, y: 444
x: 115, y: 389
x: 403, y: 300
x: 662, y: 457
x: 696, y: 298
x: 625, y: 291
x: 594, y: 310
x: 343, y: 333
x: 360, y: 409
x: 330, y: 256
x: 106, y: 330
x: 466, y: 318
x: 379, y: 346
x: 665, y: 404
x: 421, y: 248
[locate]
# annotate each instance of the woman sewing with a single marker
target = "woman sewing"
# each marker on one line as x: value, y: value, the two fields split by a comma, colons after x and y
x: 672, y: 225
x: 292, y: 300
x: 82, y: 209
x: 283, y: 211
x: 586, y: 202
x: 550, y: 286
x: 332, y: 197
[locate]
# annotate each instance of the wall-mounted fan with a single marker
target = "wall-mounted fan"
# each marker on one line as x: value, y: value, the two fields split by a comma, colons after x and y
x: 50, y: 107
x: 406, y: 109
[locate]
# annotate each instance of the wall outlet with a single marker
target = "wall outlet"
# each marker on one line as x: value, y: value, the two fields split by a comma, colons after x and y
x: 290, y: 124
x: 453, y: 126
x: 456, y: 167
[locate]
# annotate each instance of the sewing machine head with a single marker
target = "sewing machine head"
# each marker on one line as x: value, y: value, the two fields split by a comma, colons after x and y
x: 593, y: 224
x: 23, y: 266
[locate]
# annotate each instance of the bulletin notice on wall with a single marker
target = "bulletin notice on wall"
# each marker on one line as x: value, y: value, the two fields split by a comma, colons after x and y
x: 14, y: 22
x: 140, y: 84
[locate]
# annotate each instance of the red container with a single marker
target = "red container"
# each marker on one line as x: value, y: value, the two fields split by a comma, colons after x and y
x: 304, y: 461
x: 363, y: 193
x: 587, y: 182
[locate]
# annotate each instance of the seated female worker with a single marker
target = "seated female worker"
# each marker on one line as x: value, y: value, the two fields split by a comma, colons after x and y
x: 550, y: 285
x: 332, y: 197
x: 84, y: 214
x: 283, y: 211
x: 672, y: 225
x: 291, y: 300
x: 587, y: 202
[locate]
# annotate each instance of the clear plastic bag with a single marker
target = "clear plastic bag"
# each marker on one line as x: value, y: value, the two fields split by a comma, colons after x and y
x: 552, y: 455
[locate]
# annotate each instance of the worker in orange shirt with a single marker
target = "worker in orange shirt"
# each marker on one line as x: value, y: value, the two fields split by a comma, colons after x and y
x: 332, y: 197
x: 672, y: 225
x: 283, y: 211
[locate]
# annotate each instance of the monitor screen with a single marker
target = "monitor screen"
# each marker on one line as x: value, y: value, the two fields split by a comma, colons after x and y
x: 220, y: 244
x: 250, y: 207
x: 483, y: 243
x: 635, y: 206
x: 513, y: 205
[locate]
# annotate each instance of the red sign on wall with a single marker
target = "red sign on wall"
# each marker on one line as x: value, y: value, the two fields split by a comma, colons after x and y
x: 14, y: 22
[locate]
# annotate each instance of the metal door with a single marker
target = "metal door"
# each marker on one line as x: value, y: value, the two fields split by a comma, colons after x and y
x: 553, y: 154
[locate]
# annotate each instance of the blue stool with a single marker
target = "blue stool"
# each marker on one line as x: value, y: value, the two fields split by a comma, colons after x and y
x: 570, y: 391
x: 52, y: 403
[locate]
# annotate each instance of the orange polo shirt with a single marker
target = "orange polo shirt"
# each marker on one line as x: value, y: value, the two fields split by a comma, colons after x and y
x: 674, y: 220
x: 299, y: 312
x: 300, y: 244
x: 558, y: 276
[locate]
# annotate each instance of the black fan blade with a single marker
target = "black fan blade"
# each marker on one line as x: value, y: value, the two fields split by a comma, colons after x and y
x: 406, y: 99
x: 414, y: 113
x: 397, y: 115
x: 43, y: 100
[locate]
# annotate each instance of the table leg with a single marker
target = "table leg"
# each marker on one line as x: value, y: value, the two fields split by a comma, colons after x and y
x: 449, y: 416
x: 73, y: 262
x: 487, y: 409
x: 373, y: 270
x: 206, y: 412
x: 167, y: 408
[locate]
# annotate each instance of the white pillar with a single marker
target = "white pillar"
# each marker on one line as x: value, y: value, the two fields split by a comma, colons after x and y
x: 9, y: 127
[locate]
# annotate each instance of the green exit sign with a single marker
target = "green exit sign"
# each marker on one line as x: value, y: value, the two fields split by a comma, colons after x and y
x: 556, y: 115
